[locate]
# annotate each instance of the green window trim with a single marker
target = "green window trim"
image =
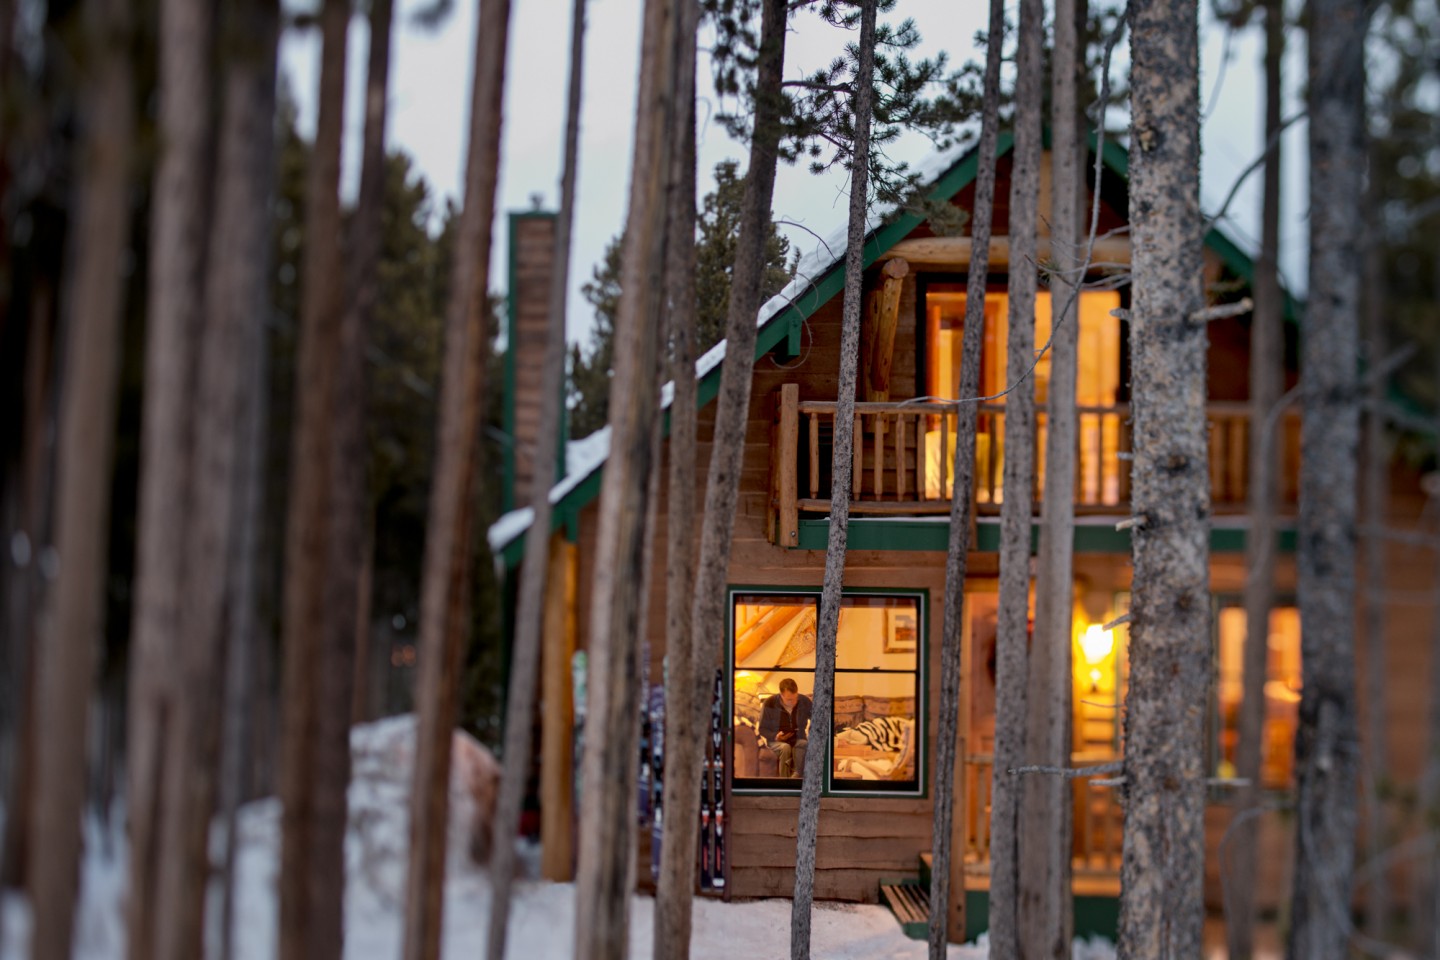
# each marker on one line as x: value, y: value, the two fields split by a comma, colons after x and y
x: 921, y: 597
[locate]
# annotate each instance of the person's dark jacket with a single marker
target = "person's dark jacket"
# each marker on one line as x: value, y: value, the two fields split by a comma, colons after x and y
x: 772, y: 711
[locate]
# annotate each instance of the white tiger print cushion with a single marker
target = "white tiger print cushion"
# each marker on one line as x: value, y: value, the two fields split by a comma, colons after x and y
x: 882, y: 733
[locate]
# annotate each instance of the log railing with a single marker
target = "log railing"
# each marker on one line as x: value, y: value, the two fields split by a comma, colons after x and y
x: 1096, y: 844
x: 904, y: 458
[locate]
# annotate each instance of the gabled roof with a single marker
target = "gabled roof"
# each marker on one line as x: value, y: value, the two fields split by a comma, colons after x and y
x: 818, y: 278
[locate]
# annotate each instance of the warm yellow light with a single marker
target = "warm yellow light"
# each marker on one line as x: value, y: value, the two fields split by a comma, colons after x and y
x: 1096, y: 643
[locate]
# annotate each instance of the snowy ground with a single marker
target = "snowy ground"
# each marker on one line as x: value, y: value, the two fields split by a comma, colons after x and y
x: 542, y: 918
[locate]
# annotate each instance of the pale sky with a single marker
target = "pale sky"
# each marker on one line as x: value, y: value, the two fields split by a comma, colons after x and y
x: 429, y: 98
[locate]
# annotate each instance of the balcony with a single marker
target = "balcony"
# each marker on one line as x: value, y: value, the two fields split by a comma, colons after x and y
x: 904, y: 455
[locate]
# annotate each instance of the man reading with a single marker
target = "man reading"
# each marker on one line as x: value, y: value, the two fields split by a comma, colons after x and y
x: 784, y: 723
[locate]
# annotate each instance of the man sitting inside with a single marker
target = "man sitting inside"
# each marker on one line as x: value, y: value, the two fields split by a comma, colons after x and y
x: 784, y: 722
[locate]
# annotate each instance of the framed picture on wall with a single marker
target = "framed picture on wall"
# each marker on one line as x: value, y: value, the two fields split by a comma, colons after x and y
x: 900, y: 631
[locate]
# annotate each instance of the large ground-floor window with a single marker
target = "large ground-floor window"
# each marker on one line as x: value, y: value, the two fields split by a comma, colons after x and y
x: 876, y: 743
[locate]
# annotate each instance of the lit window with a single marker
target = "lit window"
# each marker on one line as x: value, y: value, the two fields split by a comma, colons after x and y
x: 1097, y: 389
x: 1282, y: 692
x: 875, y: 743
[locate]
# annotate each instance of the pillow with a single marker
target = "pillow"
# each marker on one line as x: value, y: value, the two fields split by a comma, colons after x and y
x: 849, y: 711
x: 747, y: 707
x: 889, y: 707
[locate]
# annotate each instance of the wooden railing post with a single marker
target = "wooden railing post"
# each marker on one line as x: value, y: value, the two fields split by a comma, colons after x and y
x: 789, y: 456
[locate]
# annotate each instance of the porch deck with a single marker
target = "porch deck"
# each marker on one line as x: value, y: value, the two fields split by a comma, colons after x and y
x: 904, y: 454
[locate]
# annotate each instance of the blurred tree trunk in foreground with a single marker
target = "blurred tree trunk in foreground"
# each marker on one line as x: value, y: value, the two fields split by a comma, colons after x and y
x: 1162, y: 871
x: 445, y: 578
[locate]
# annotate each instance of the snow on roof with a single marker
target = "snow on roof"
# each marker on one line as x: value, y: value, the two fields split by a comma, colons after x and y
x: 582, y: 458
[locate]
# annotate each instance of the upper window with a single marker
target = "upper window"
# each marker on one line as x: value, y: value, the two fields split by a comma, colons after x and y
x: 875, y: 743
x: 1098, y: 387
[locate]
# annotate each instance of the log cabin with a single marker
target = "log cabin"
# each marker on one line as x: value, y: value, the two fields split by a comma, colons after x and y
x: 875, y: 824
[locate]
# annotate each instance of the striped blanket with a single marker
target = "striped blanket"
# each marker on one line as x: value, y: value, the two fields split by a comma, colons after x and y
x: 882, y: 733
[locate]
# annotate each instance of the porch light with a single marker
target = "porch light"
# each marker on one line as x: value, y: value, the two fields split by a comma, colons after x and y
x: 1096, y: 643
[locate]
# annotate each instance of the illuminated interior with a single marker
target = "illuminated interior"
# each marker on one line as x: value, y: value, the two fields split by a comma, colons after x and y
x: 875, y: 744
x: 1097, y: 386
x: 1282, y: 691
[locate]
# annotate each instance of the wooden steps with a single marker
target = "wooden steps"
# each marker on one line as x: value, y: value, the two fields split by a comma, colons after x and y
x: 910, y: 902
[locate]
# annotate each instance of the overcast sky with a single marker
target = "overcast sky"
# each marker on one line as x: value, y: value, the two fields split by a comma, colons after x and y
x: 429, y: 98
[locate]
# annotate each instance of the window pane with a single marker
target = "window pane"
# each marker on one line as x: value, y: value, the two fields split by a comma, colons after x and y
x: 774, y: 641
x: 876, y: 738
x: 877, y: 633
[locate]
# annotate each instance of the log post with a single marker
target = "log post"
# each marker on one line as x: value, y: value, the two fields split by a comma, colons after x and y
x: 789, y: 453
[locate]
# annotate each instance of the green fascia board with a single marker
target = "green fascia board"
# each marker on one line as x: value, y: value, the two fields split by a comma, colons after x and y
x: 922, y: 535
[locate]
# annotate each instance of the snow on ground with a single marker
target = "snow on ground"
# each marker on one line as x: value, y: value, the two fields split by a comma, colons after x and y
x: 542, y: 917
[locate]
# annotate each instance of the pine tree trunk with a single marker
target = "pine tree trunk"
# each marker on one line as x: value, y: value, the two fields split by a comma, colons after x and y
x: 1013, y: 657
x: 312, y: 869
x: 159, y: 699
x: 1046, y: 815
x: 732, y: 405
x: 1375, y: 767
x: 842, y: 469
x: 1242, y: 863
x: 1325, y: 743
x: 674, y: 888
x: 945, y: 924
x: 247, y: 165
x: 91, y: 316
x: 445, y: 576
x: 605, y: 875
x: 525, y: 659
x: 1162, y: 871
x: 1426, y: 888
x: 354, y: 542
x: 31, y: 507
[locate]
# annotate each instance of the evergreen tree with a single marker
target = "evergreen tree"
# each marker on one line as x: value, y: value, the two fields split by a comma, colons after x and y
x: 718, y: 236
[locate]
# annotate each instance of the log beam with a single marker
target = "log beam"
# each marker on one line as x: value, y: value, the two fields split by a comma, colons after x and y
x: 955, y: 251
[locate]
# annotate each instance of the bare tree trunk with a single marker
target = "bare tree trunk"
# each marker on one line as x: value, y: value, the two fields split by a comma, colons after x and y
x: 445, y: 577
x: 1013, y: 656
x: 312, y: 869
x: 1325, y: 744
x: 674, y: 888
x: 1239, y: 881
x: 1375, y: 767
x: 1426, y: 889
x: 841, y: 471
x: 1162, y: 872
x: 365, y: 242
x: 525, y: 662
x: 240, y: 288
x: 364, y: 704
x: 160, y: 703
x: 604, y: 878
x: 727, y: 448
x: 91, y: 321
x: 957, y: 553
x: 1045, y: 906
x: 23, y: 585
